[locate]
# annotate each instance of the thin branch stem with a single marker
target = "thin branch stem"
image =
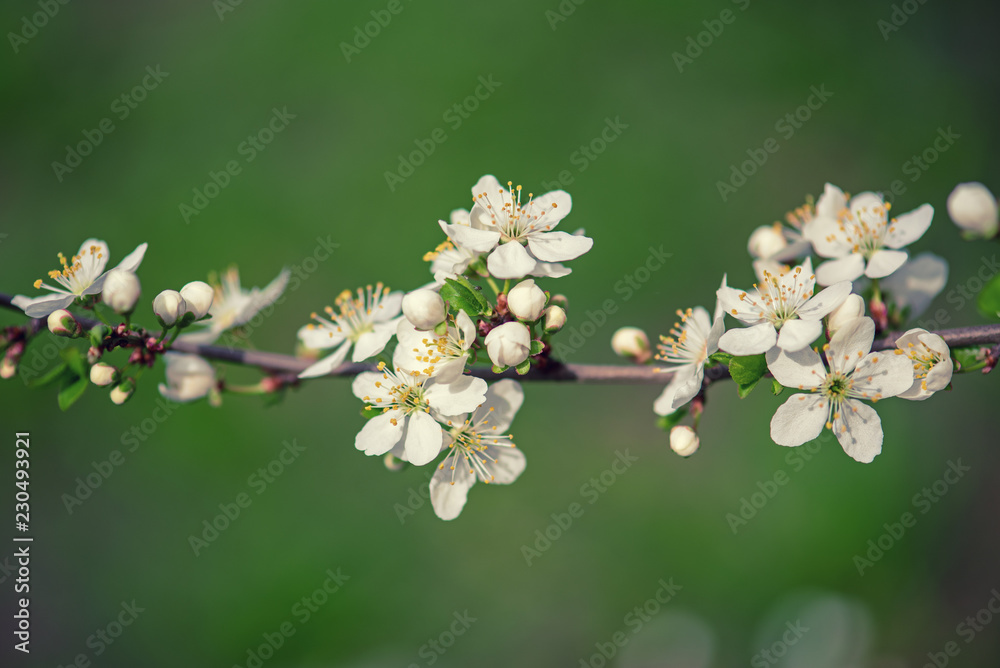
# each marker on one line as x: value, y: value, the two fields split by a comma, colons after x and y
x: 987, y: 336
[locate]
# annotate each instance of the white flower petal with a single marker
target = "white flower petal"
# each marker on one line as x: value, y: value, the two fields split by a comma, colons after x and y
x: 424, y: 438
x: 741, y: 309
x: 379, y: 434
x: 909, y: 227
x: 917, y: 282
x: 831, y: 202
x: 510, y: 260
x: 802, y: 369
x: 132, y: 261
x: 799, y: 420
x: 373, y: 342
x: 505, y: 397
x: 328, y: 363
x: 884, y: 262
x: 798, y: 334
x: 558, y: 246
x: 940, y: 375
x: 319, y: 337
x: 448, y: 497
x: 462, y: 396
x: 42, y: 307
x: 664, y: 404
x: 467, y: 328
x: 690, y: 388
x: 550, y: 270
x: 826, y: 237
x: 369, y: 386
x: 749, y: 340
x: 850, y: 344
x: 844, y: 269
x: 479, y: 241
x: 554, y: 206
x: 859, y: 430
x: 882, y: 374
x: 388, y: 307
x: 825, y: 302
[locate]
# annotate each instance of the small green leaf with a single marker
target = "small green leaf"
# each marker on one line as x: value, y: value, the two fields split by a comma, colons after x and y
x: 74, y: 360
x: 523, y: 367
x: 462, y: 294
x: 667, y: 422
x: 97, y: 334
x: 747, y: 370
x: 537, y: 347
x: 441, y: 329
x: 720, y: 358
x: 969, y: 359
x: 744, y: 389
x: 776, y: 387
x: 54, y: 374
x: 499, y: 369
x: 989, y: 298
x: 71, y: 391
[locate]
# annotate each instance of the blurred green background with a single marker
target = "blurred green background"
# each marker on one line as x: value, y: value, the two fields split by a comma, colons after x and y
x: 323, y: 177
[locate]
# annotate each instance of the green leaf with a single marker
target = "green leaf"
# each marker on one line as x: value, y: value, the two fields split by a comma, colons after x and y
x: 462, y: 294
x: 747, y: 370
x: 537, y: 347
x: 523, y: 367
x: 969, y: 359
x: 743, y: 389
x: 667, y: 422
x: 720, y: 358
x: 499, y: 369
x: 776, y: 387
x: 97, y: 334
x: 442, y: 328
x: 54, y: 374
x: 989, y: 298
x: 74, y: 360
x: 71, y: 391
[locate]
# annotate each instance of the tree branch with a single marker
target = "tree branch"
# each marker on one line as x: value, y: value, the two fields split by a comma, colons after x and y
x: 592, y: 374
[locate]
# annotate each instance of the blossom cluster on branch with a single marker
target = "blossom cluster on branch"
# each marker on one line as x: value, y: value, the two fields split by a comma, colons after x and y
x: 805, y: 330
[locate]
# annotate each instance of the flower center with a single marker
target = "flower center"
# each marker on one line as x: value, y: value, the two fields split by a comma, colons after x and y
x: 77, y: 274
x: 782, y: 297
x: 405, y: 392
x: 514, y: 221
x: 866, y: 229
x: 471, y: 441
x: 355, y: 313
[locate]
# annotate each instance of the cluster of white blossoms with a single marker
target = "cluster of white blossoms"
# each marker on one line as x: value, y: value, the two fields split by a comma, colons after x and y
x: 422, y: 357
x: 815, y: 339
x: 422, y: 403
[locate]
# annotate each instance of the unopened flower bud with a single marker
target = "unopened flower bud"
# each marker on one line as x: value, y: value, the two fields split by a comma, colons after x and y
x: 121, y: 290
x: 198, y: 297
x: 560, y: 300
x: 123, y: 392
x: 394, y: 463
x: 424, y: 309
x: 168, y: 307
x: 631, y: 342
x: 555, y: 318
x: 62, y: 323
x: 851, y: 308
x: 766, y: 240
x: 973, y: 208
x: 684, y: 441
x: 526, y: 300
x: 103, y: 374
x: 8, y: 367
x: 508, y: 344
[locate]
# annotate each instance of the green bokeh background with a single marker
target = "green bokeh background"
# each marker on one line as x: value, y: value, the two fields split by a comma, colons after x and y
x: 324, y: 177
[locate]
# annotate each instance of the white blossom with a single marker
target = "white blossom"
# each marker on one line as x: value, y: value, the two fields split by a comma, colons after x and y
x: 234, y: 306
x: 442, y: 356
x: 835, y: 393
x: 365, y: 321
x: 931, y: 361
x: 80, y: 276
x: 479, y: 447
x: 509, y: 344
x: 189, y: 378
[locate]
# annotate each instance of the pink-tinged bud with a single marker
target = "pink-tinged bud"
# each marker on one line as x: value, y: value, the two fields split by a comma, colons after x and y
x: 560, y: 300
x: 684, y: 441
x: 62, y: 323
x: 631, y: 342
x: 526, y: 301
x: 103, y: 374
x: 93, y: 354
x: 169, y: 306
x: 121, y: 290
x: 555, y: 318
x: 198, y: 297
